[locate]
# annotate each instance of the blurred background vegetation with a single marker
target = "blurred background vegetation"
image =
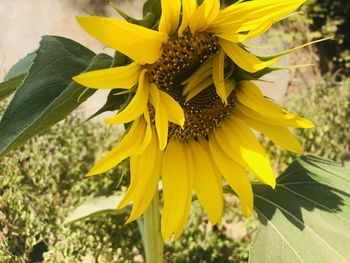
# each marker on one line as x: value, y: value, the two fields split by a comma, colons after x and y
x: 43, y: 181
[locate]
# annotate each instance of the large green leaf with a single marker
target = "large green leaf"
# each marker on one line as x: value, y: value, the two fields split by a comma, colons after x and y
x: 9, y: 86
x: 21, y: 67
x: 48, y: 93
x: 307, y: 217
x: 96, y: 206
x: 16, y: 75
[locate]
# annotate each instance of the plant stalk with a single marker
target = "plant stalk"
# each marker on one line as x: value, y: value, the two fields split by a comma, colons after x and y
x: 153, y: 240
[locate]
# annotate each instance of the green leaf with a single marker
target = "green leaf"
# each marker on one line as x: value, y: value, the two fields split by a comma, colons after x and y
x: 96, y: 206
x: 15, y: 76
x: 9, y: 86
x: 21, y: 67
x: 307, y: 217
x: 48, y: 93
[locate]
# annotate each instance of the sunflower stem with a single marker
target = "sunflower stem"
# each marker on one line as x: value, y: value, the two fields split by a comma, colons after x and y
x: 152, y: 238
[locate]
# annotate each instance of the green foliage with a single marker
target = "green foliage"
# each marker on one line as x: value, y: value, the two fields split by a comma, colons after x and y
x: 21, y: 67
x: 16, y: 75
x: 329, y: 17
x: 307, y: 217
x: 328, y: 105
x: 48, y: 93
x: 9, y: 86
x: 44, y: 181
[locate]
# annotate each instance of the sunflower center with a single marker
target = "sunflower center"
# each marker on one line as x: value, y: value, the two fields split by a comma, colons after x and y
x: 180, y: 58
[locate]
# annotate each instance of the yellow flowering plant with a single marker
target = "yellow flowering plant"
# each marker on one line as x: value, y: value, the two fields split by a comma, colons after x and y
x: 182, y: 83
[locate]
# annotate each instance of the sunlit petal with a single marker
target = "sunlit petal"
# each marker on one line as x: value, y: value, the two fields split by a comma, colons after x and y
x: 137, y: 105
x: 124, y: 77
x: 169, y: 20
x: 188, y: 8
x: 251, y: 97
x: 141, y: 44
x: 177, y: 188
x: 243, y: 58
x: 247, y: 15
x: 235, y: 175
x: 145, y: 174
x: 204, y: 15
x: 129, y: 144
x: 207, y: 184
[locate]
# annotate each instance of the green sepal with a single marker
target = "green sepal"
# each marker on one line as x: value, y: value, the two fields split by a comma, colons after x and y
x: 120, y: 59
x: 148, y: 20
x: 114, y: 102
x: 240, y: 74
x: 48, y: 94
x: 152, y: 7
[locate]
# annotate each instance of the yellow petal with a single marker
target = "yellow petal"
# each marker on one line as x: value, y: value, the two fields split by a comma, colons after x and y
x: 261, y: 28
x: 245, y: 16
x: 251, y: 151
x: 199, y: 88
x: 154, y: 95
x: 219, y: 76
x: 200, y: 75
x: 144, y: 177
x: 183, y: 221
x: 161, y: 116
x: 137, y: 105
x: 204, y: 68
x: 278, y: 134
x: 148, y: 134
x: 124, y: 77
x: 204, y: 15
x: 241, y: 141
x: 130, y: 144
x: 169, y: 21
x: 141, y: 44
x: 250, y: 96
x: 230, y: 85
x: 174, y: 111
x: 166, y: 109
x: 283, y: 120
x: 207, y: 184
x: 177, y: 188
x: 188, y: 8
x: 237, y: 38
x: 244, y: 59
x: 162, y: 126
x: 235, y: 175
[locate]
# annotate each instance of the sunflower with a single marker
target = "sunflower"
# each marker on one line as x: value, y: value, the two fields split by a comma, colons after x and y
x: 190, y: 119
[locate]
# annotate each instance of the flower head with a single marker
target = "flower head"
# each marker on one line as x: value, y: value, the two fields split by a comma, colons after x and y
x: 191, y: 118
